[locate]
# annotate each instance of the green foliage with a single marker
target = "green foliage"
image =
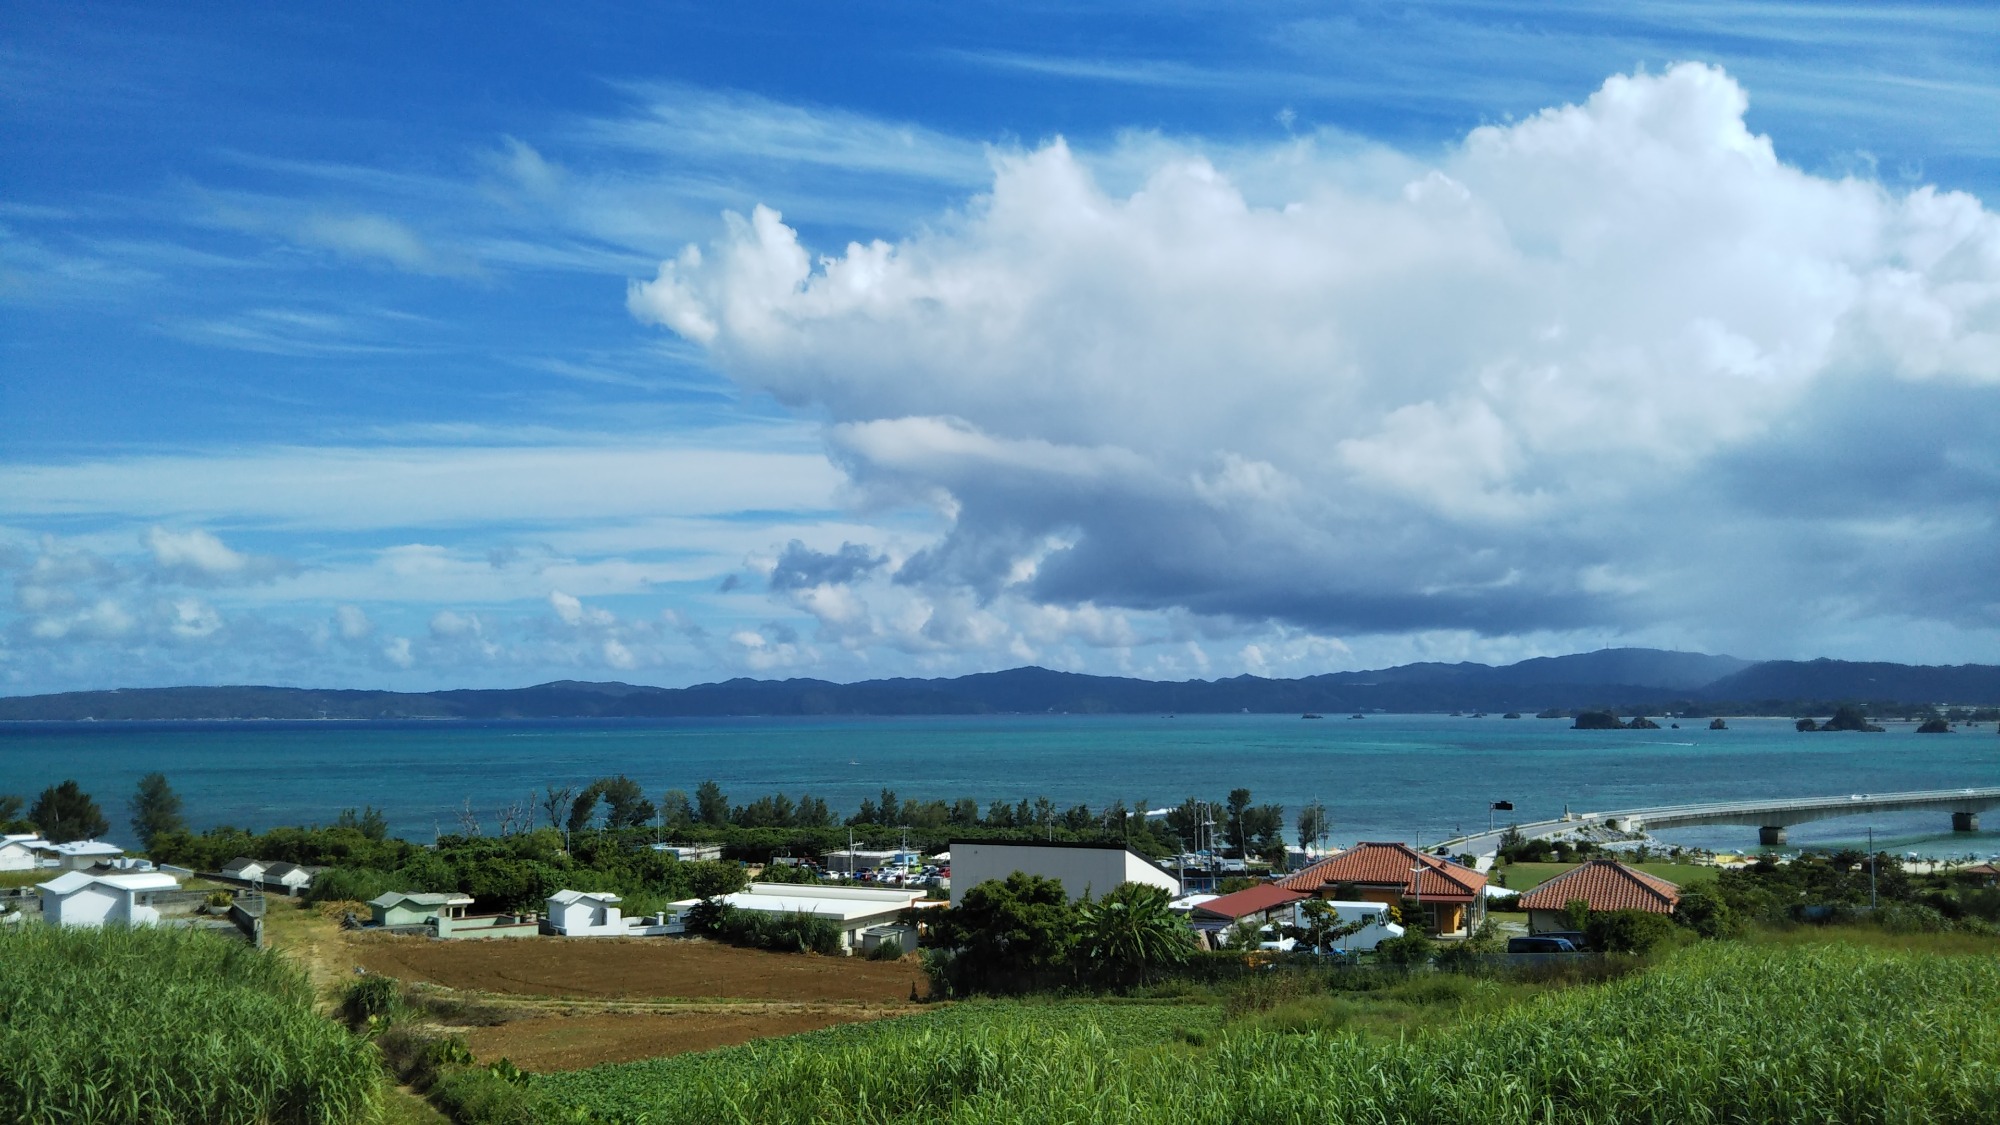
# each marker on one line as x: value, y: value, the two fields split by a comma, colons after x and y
x: 148, y: 1025
x: 1629, y: 931
x: 1010, y: 935
x: 370, y: 822
x: 1322, y: 927
x: 890, y: 950
x: 1576, y: 915
x: 156, y: 809
x: 369, y: 1002
x: 756, y: 929
x: 1719, y: 1033
x: 64, y: 812
x: 1129, y: 935
x: 506, y: 873
x: 1413, y: 950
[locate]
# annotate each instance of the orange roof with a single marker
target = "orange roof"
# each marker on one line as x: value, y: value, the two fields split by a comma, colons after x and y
x: 1605, y: 884
x: 1390, y: 865
x: 1250, y: 900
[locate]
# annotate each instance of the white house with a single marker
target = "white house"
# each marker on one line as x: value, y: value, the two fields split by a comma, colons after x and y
x: 244, y: 868
x: 290, y: 876
x: 77, y: 899
x: 1083, y: 868
x: 22, y: 852
x: 584, y: 914
x: 79, y: 854
x: 855, y: 910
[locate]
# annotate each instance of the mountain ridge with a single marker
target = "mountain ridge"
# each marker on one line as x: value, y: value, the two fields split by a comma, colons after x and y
x: 1627, y: 678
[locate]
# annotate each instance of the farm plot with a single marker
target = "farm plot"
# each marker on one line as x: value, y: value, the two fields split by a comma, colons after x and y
x: 614, y: 968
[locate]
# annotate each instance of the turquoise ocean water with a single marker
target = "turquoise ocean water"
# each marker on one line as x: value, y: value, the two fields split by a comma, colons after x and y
x: 1399, y: 777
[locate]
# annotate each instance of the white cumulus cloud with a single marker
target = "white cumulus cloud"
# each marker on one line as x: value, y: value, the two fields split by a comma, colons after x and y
x: 1367, y: 392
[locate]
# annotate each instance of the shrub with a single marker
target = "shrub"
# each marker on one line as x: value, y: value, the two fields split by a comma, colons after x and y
x: 1413, y: 950
x: 890, y: 950
x: 1628, y: 931
x: 369, y: 1002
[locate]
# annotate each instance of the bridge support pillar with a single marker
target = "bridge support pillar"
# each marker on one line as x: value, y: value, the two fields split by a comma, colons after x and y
x: 1965, y: 822
x: 1771, y: 836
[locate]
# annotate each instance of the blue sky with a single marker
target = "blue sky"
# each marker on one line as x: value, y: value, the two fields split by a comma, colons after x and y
x: 365, y: 347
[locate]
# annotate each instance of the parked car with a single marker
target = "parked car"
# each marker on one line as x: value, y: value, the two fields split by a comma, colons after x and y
x: 1540, y: 943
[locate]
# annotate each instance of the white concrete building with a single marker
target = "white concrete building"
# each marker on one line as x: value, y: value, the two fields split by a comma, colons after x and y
x: 853, y: 909
x: 597, y: 914
x: 78, y: 899
x: 584, y: 914
x: 79, y: 854
x: 1082, y: 868
x: 247, y: 869
x: 691, y: 853
x: 23, y: 852
x: 290, y: 876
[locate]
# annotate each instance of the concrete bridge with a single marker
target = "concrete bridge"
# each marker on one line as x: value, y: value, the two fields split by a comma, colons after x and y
x: 1770, y: 816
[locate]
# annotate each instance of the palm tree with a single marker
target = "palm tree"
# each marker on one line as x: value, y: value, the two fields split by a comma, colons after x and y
x: 1129, y: 933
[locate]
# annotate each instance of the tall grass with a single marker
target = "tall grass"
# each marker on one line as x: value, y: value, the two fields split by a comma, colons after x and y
x: 1721, y: 1033
x: 162, y: 1025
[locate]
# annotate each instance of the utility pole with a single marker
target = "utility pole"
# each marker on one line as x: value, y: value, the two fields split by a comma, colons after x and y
x: 1871, y: 867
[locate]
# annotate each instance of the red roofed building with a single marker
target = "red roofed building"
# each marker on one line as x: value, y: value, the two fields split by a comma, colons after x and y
x: 1253, y: 904
x: 1452, y: 898
x: 1605, y: 884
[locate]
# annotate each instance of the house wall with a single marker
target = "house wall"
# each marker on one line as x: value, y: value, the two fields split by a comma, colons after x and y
x: 96, y: 906
x: 587, y: 919
x: 404, y: 914
x: 87, y: 906
x: 1095, y: 870
x: 489, y: 926
x: 14, y: 857
x: 1546, y: 921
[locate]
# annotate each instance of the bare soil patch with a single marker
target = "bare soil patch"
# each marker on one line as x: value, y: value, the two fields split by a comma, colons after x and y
x: 572, y: 1042
x: 620, y: 968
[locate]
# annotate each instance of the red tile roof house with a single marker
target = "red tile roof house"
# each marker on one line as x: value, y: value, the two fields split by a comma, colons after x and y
x: 1261, y: 903
x: 1605, y: 884
x: 1452, y: 898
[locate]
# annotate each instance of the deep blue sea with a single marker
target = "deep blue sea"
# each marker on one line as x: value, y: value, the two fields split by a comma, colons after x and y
x: 1402, y: 777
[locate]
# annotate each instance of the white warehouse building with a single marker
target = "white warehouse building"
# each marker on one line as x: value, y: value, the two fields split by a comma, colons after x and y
x: 80, y: 899
x: 855, y: 910
x: 1082, y: 868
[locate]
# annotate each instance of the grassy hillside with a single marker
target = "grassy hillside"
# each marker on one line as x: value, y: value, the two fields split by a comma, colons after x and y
x: 1736, y: 1033
x: 115, y: 1026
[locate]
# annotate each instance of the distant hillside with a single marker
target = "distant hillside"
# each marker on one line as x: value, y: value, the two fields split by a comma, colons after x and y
x: 1631, y: 679
x: 1844, y: 679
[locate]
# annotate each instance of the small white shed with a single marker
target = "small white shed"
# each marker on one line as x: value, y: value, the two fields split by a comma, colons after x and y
x: 585, y: 914
x: 244, y: 868
x: 79, y: 899
x: 290, y: 876
x: 22, y: 852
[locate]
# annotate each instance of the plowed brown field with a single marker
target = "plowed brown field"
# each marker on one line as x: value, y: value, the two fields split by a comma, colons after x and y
x: 573, y: 1042
x: 634, y: 968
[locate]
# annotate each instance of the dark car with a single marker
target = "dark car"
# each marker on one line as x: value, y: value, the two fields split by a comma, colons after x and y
x: 1540, y: 943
